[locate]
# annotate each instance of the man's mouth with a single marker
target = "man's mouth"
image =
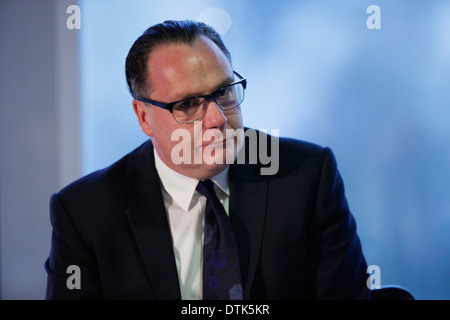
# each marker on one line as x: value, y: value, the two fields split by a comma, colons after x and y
x: 216, y: 143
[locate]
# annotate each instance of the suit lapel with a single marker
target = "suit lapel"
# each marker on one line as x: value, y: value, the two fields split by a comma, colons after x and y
x: 248, y: 194
x: 150, y: 227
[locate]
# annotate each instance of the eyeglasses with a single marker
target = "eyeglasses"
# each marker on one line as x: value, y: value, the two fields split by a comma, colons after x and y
x: 192, y: 109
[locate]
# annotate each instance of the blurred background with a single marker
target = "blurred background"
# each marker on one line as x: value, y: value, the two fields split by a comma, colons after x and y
x: 316, y: 71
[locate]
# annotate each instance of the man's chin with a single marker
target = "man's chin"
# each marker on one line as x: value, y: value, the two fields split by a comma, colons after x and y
x: 212, y: 170
x: 205, y: 170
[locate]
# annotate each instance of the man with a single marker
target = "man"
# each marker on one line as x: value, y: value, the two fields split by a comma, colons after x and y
x: 135, y: 229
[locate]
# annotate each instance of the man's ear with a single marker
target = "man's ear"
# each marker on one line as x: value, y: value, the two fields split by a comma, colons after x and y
x: 142, y: 113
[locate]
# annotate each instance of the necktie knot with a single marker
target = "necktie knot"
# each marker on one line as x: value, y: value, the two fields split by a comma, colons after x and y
x: 206, y: 188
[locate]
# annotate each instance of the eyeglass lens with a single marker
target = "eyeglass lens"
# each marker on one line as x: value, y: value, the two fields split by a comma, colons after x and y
x: 193, y: 109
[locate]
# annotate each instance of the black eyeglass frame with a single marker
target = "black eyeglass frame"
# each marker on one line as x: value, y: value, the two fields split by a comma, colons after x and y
x: 207, y: 97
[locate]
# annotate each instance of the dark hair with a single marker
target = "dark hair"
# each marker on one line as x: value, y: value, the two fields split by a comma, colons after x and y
x: 170, y: 31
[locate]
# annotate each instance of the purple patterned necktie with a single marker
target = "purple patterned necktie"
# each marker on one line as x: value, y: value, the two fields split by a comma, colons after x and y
x: 221, y: 271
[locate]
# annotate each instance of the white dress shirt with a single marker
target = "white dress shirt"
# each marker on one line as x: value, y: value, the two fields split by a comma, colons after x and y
x: 185, y: 208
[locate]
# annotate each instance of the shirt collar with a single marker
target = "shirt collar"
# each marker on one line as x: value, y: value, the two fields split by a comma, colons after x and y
x: 222, y: 184
x: 182, y: 188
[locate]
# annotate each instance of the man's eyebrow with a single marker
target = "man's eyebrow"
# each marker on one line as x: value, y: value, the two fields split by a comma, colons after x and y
x: 224, y: 83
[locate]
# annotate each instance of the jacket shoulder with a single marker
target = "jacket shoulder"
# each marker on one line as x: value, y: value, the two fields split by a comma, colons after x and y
x: 286, y: 144
x: 301, y: 147
x: 109, y: 178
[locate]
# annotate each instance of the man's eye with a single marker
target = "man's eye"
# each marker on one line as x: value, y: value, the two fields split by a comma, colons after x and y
x: 187, y: 104
x: 183, y: 105
x: 223, y: 92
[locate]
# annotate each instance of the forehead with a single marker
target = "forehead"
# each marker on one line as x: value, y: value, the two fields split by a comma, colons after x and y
x: 178, y: 69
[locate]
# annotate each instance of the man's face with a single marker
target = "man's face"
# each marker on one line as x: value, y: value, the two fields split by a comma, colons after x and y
x: 176, y: 72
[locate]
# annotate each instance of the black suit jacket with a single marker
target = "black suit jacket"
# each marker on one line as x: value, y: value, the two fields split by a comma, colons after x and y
x: 296, y: 236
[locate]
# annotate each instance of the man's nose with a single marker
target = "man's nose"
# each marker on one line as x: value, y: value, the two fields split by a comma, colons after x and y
x: 214, y: 116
